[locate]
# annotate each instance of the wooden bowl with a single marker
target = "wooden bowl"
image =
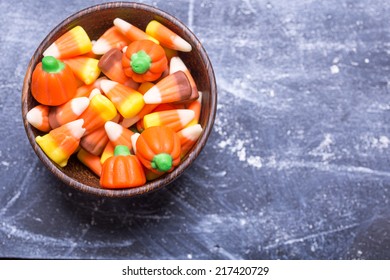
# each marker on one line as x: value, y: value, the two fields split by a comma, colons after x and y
x: 95, y: 20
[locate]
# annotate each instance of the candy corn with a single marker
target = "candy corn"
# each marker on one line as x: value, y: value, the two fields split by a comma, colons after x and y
x: 99, y: 111
x: 67, y: 112
x: 144, y: 87
x: 95, y: 142
x: 131, y: 32
x: 38, y: 117
x: 195, y: 106
x: 127, y: 100
x: 167, y: 37
x: 118, y: 134
x: 85, y: 68
x: 170, y: 53
x: 107, y: 152
x: 85, y: 90
x: 91, y: 161
x: 111, y: 39
x: 60, y: 143
x: 175, y: 119
x: 188, y: 137
x: 111, y: 65
x: 173, y: 88
x: 94, y: 92
x: 176, y: 64
x: 73, y: 43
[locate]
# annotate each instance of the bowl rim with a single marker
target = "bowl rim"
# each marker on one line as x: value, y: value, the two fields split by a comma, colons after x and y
x: 149, y: 186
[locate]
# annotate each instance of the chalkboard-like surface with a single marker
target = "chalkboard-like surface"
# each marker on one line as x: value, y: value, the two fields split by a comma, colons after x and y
x: 297, y: 166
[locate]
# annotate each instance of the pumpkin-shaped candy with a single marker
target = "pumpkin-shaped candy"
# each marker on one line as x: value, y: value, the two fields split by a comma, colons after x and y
x: 53, y: 82
x: 158, y: 149
x: 144, y: 61
x: 122, y: 170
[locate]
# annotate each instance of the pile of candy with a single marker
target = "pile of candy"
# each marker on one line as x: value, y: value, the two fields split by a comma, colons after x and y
x: 125, y: 104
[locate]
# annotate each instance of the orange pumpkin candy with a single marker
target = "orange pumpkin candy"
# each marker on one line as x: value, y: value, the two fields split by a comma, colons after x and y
x: 53, y: 82
x: 158, y: 148
x: 144, y: 61
x: 122, y: 170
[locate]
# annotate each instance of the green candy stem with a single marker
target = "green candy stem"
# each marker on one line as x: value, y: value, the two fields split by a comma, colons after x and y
x: 162, y: 162
x: 121, y: 150
x: 52, y: 65
x: 140, y: 62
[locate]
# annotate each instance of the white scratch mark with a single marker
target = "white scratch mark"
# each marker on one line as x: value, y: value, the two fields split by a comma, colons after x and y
x: 10, y: 202
x: 255, y: 161
x: 287, y: 164
x: 191, y: 15
x: 334, y: 69
x: 323, y: 150
x: 250, y: 7
x: 310, y: 236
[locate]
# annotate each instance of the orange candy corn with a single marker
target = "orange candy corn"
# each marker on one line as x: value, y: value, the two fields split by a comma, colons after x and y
x: 91, y: 161
x: 85, y: 68
x: 95, y: 142
x: 67, y: 112
x: 60, y: 143
x: 144, y: 87
x: 111, y: 39
x: 73, y: 43
x: 131, y: 32
x: 111, y: 65
x: 170, y: 53
x: 85, y: 90
x: 175, y: 119
x: 195, y: 106
x: 107, y: 152
x: 167, y: 37
x: 176, y: 64
x: 188, y: 137
x: 99, y: 111
x: 118, y: 134
x: 38, y: 117
x: 127, y: 100
x: 173, y: 88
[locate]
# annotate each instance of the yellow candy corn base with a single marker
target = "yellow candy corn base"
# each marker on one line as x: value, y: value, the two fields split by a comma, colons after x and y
x: 51, y: 149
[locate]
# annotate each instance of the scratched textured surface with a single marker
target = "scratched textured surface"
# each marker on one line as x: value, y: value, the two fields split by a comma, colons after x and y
x: 297, y: 166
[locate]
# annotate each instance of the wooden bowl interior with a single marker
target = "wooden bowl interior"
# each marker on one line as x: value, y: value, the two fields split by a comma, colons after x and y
x: 95, y: 20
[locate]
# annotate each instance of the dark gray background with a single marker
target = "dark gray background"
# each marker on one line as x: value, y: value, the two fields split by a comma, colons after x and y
x: 297, y: 166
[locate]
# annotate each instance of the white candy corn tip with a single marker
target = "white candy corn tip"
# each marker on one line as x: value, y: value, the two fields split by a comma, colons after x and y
x: 107, y: 85
x: 124, y: 26
x: 94, y: 92
x: 76, y: 128
x: 134, y: 139
x: 101, y: 46
x: 153, y: 96
x: 34, y: 117
x: 176, y: 65
x: 192, y: 132
x: 181, y: 44
x: 79, y: 104
x: 113, y: 130
x: 52, y: 50
x: 185, y: 116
